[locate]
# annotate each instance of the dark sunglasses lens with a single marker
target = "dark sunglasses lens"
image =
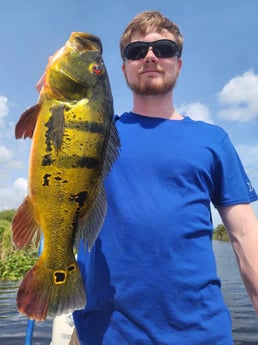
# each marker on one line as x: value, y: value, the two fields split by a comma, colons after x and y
x: 136, y: 51
x: 165, y: 49
x: 162, y: 49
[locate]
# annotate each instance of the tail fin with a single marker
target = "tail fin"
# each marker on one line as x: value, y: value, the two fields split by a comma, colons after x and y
x: 45, y: 292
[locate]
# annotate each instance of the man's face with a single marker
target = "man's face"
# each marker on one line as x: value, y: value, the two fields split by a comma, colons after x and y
x: 152, y: 75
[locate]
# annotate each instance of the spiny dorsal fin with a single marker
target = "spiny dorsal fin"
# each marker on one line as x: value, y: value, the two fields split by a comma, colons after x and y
x: 24, y: 225
x: 27, y: 122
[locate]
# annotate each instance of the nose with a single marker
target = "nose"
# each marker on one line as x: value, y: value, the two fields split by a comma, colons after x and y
x: 150, y: 56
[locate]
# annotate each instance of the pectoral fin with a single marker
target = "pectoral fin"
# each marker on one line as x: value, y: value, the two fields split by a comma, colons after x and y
x: 27, y: 122
x: 24, y: 225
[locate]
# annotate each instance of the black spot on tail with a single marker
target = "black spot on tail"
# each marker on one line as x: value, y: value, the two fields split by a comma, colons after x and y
x: 71, y: 268
x: 59, y: 277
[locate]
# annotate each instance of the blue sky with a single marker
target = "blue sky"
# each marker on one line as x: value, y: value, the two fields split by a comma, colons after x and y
x: 218, y: 82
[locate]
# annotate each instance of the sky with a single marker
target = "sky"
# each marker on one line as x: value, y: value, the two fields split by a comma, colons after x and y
x: 218, y: 82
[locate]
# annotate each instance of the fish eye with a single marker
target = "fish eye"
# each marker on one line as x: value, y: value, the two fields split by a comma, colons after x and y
x: 97, y: 68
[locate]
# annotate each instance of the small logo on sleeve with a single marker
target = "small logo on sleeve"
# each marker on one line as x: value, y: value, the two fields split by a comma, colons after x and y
x: 250, y: 186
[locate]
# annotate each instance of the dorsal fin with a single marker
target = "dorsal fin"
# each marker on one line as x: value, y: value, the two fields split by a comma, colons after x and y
x: 27, y: 122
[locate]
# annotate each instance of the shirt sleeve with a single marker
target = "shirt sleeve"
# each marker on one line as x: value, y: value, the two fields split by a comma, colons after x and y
x: 231, y: 183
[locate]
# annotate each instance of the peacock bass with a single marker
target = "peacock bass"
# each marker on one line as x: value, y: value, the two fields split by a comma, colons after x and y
x: 74, y: 143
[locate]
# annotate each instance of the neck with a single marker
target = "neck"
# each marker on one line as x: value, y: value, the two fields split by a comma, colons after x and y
x: 160, y: 106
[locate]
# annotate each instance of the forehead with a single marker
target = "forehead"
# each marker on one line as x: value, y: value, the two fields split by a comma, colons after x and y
x: 152, y: 36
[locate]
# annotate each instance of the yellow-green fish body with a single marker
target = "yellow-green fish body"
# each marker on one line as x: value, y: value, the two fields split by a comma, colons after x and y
x: 74, y: 144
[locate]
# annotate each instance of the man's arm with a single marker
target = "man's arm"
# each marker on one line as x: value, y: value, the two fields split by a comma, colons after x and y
x: 242, y: 226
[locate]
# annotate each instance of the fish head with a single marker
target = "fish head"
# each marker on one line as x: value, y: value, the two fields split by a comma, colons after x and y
x: 76, y: 70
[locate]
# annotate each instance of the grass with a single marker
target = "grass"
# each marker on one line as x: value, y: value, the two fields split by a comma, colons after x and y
x: 13, y: 263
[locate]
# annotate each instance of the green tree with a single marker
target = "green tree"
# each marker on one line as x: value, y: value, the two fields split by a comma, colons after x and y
x: 7, y: 215
x: 220, y: 233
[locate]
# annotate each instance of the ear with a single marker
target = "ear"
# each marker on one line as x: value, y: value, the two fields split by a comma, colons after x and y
x: 179, y: 64
x: 124, y: 69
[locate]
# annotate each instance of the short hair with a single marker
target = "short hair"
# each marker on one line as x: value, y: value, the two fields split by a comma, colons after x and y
x: 150, y: 21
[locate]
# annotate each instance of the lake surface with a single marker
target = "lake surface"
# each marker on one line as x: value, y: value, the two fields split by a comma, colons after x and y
x: 245, y: 324
x: 13, y: 325
x: 244, y: 320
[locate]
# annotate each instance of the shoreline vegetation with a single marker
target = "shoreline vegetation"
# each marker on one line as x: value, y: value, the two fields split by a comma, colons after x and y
x: 14, y: 263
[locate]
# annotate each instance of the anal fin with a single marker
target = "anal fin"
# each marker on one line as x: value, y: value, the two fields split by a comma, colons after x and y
x: 24, y: 225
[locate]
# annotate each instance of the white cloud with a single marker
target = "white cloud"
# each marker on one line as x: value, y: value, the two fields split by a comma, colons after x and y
x: 12, y: 196
x: 4, y: 109
x: 20, y: 187
x: 248, y: 155
x: 240, y: 98
x: 5, y: 154
x: 196, y: 110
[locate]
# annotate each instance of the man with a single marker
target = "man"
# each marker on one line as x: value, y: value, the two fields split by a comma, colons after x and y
x: 151, y: 275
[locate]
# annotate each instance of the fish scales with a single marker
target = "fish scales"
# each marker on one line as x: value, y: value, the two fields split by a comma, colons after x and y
x: 74, y: 143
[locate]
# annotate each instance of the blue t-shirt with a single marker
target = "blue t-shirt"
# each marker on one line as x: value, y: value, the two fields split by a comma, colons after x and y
x: 151, y: 275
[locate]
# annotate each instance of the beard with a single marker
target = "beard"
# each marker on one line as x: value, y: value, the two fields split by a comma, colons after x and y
x: 150, y: 87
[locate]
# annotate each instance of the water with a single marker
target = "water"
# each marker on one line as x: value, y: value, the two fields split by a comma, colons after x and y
x: 13, y: 325
x: 245, y: 324
x: 244, y: 320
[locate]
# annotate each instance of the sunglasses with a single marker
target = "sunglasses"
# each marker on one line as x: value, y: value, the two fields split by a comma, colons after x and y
x: 161, y: 48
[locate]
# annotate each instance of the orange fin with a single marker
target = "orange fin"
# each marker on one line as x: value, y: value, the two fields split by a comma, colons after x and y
x: 24, y: 225
x: 27, y: 122
x: 46, y: 292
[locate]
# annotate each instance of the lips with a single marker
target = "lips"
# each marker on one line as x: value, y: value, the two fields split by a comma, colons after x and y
x: 150, y: 71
